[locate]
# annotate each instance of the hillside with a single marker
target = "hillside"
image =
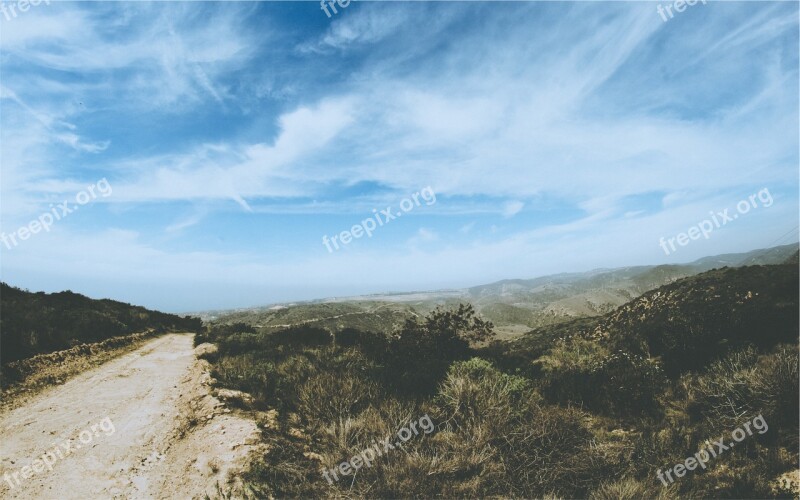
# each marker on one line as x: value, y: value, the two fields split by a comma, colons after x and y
x: 514, y: 306
x: 35, y: 323
x: 557, y: 298
x: 686, y: 324
x: 334, y: 316
x: 603, y: 404
x: 690, y: 321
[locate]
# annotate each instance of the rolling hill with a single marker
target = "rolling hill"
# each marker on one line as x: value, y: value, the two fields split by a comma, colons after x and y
x: 514, y: 306
x: 691, y: 321
x: 36, y: 323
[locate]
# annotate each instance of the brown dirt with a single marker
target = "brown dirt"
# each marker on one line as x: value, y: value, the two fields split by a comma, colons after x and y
x: 171, y: 438
x: 32, y: 375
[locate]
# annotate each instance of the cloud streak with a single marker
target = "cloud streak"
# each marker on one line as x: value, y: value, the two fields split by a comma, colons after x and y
x: 236, y: 135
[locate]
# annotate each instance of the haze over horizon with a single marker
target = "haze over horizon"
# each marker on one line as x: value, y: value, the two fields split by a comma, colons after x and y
x: 758, y: 251
x: 234, y: 136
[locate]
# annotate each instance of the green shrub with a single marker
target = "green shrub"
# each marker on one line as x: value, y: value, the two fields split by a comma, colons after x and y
x: 372, y: 344
x: 475, y: 391
x: 539, y: 449
x: 305, y: 336
x: 626, y: 384
x: 421, y: 352
x: 284, y: 471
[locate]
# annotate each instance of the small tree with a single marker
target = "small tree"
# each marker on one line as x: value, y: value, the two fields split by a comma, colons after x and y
x: 461, y: 325
x: 422, y: 350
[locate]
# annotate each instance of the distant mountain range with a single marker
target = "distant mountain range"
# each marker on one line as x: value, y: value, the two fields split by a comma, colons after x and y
x: 551, y: 299
x: 514, y: 306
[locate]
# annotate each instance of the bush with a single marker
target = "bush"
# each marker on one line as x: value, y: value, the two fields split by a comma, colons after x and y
x: 284, y: 471
x: 306, y: 336
x: 216, y: 332
x: 745, y: 384
x: 514, y: 444
x: 565, y: 370
x: 475, y: 391
x: 372, y: 344
x: 631, y: 489
x: 250, y: 373
x: 617, y: 383
x: 421, y: 352
x: 626, y: 385
x: 334, y: 397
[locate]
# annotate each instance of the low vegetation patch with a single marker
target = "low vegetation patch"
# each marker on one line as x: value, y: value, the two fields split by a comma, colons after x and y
x: 591, y: 409
x: 39, y: 323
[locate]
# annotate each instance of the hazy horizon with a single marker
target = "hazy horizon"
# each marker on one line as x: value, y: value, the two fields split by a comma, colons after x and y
x: 259, y: 305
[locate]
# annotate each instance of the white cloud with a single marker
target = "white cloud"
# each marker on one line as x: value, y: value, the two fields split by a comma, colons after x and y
x: 369, y: 25
x: 256, y: 170
x: 517, y: 107
x: 512, y: 208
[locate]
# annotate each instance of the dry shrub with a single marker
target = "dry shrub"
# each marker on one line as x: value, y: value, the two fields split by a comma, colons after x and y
x: 474, y: 392
x: 505, y: 441
x: 631, y: 489
x: 745, y: 384
x: 329, y: 397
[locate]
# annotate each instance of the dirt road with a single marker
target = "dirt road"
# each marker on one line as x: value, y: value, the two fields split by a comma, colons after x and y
x: 141, y: 426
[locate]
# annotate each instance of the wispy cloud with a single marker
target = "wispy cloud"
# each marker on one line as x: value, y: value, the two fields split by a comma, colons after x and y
x: 236, y: 134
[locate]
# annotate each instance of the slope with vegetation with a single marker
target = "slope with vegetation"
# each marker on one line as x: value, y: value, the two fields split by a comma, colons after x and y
x: 553, y: 299
x: 45, y: 338
x: 588, y: 408
x: 334, y: 316
x: 36, y: 323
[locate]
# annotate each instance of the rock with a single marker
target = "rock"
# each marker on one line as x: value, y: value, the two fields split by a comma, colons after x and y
x: 205, y: 349
x: 234, y: 395
x: 313, y: 456
x: 787, y: 484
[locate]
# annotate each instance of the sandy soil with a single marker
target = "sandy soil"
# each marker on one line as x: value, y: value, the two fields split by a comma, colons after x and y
x: 141, y: 426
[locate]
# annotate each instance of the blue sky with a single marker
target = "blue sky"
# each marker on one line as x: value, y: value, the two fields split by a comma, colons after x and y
x: 556, y: 136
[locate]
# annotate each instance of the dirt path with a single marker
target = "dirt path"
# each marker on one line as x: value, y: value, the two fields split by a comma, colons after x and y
x: 141, y: 426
